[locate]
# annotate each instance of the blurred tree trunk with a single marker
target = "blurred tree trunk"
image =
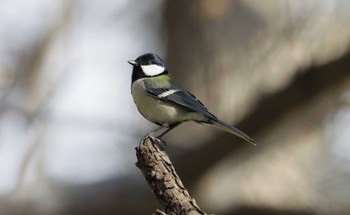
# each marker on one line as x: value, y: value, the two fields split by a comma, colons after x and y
x: 233, y: 53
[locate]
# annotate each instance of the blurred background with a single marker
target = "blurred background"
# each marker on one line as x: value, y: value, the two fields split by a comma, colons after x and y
x: 278, y: 70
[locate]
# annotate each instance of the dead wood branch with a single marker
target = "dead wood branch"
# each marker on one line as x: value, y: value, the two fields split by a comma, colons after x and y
x: 163, y: 180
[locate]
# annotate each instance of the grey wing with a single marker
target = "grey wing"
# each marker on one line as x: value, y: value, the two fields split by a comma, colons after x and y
x: 182, y: 98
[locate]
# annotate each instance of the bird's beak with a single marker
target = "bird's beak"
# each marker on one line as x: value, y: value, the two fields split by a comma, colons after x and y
x: 132, y: 62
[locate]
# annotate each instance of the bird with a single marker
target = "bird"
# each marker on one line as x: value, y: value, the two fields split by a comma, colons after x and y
x: 163, y: 101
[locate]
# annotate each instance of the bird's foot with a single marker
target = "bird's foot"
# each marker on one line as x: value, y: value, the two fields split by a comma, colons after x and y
x: 160, y: 142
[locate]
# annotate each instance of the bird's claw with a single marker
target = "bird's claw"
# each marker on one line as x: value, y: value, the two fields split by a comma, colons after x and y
x: 160, y: 142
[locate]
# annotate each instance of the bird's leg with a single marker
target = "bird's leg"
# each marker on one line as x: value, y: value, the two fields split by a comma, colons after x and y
x: 152, y: 135
x: 167, y: 130
x: 155, y: 131
x: 160, y: 142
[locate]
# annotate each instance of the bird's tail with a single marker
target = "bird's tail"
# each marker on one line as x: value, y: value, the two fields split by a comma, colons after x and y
x: 232, y: 130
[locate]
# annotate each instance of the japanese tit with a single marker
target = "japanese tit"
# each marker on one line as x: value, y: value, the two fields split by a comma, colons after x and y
x: 166, y: 103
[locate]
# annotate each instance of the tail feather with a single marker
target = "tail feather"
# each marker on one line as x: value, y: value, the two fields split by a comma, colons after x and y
x: 232, y: 130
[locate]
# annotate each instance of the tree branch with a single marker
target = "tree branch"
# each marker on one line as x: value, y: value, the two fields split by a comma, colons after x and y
x: 163, y: 180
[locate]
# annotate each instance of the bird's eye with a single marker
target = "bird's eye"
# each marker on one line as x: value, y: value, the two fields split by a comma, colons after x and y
x: 149, y: 62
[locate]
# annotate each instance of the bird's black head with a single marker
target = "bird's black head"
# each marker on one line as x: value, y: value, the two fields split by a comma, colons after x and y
x: 148, y: 65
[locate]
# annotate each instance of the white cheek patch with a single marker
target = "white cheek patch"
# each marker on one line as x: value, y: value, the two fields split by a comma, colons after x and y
x: 152, y: 70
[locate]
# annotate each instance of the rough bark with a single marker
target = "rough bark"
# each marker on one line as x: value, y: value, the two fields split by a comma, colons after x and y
x: 163, y: 180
